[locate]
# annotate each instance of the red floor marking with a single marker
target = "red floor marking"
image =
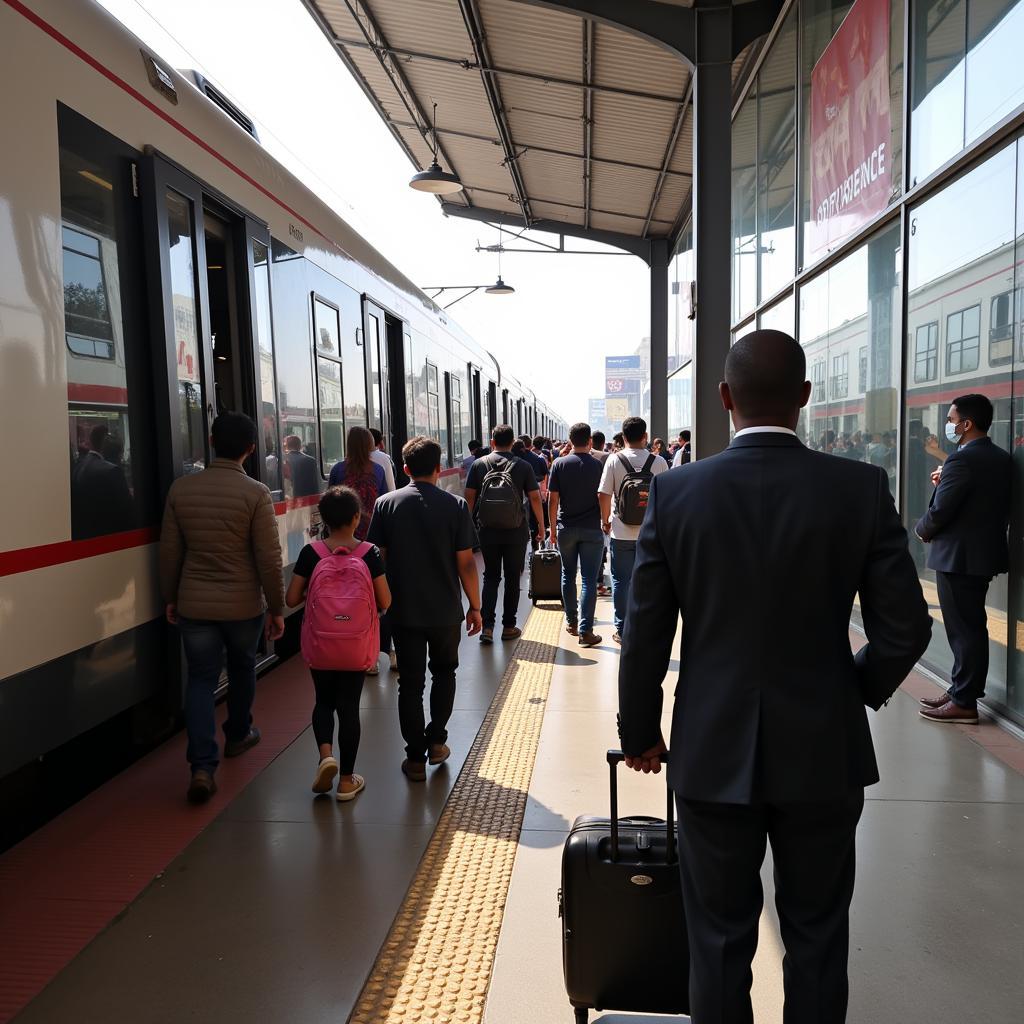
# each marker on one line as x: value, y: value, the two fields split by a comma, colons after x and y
x: 65, y: 883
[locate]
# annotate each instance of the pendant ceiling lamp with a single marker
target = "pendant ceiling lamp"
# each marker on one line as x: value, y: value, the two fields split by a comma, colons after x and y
x: 499, y: 287
x: 433, y: 179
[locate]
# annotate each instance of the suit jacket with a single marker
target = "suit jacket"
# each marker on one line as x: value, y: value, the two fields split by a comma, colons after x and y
x: 969, y: 512
x: 762, y: 549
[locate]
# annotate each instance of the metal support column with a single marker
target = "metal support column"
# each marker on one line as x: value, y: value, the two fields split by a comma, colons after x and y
x: 712, y: 224
x: 659, y: 338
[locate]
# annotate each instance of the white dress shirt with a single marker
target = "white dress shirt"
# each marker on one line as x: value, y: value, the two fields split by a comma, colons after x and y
x: 766, y: 430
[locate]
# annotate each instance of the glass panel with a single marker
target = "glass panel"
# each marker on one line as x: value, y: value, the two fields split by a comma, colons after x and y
x: 681, y: 327
x: 961, y: 256
x: 744, y: 208
x: 373, y: 340
x: 268, y: 388
x: 328, y: 329
x: 680, y: 402
x: 995, y: 72
x: 1015, y: 682
x: 332, y: 422
x: 780, y: 317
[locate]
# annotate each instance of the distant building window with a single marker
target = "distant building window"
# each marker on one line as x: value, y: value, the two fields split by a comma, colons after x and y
x: 87, y: 323
x: 839, y: 383
x: 862, y: 371
x: 818, y: 380
x: 926, y: 353
x: 1000, y: 329
x: 963, y: 340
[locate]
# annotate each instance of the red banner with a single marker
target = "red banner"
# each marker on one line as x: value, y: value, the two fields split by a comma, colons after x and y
x: 851, y: 150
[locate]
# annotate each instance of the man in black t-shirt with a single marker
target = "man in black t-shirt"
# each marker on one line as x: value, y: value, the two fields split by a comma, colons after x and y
x: 504, y: 549
x: 427, y: 538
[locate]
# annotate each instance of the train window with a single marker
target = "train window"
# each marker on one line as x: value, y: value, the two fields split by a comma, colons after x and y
x: 435, y: 428
x: 456, y: 386
x: 963, y: 340
x: 268, y: 379
x: 818, y: 380
x: 926, y: 353
x: 839, y: 382
x: 87, y: 325
x: 327, y: 331
x: 1000, y: 329
x: 327, y: 328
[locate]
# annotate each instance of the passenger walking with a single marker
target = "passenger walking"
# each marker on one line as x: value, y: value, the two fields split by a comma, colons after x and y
x: 625, y: 483
x: 220, y: 556
x: 496, y: 490
x: 965, y: 529
x: 597, y: 450
x: 763, y: 549
x: 538, y: 528
x: 597, y: 447
x: 427, y: 538
x: 339, y: 577
x: 684, y: 452
x: 358, y: 471
x: 380, y: 456
x: 576, y: 531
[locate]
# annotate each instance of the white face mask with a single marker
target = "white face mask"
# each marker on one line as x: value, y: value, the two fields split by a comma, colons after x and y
x: 951, y: 435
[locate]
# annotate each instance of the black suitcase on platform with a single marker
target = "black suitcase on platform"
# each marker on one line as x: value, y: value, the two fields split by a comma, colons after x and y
x: 545, y: 575
x: 624, y: 943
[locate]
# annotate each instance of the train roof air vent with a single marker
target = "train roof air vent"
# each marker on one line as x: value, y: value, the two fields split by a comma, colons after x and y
x: 217, y: 97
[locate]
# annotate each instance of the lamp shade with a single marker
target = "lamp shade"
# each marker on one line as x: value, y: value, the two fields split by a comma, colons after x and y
x: 436, y: 181
x: 500, y: 288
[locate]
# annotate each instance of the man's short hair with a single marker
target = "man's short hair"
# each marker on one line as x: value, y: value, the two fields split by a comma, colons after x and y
x: 232, y: 435
x: 527, y: 440
x: 377, y: 435
x: 976, y: 408
x: 598, y: 439
x: 684, y: 436
x: 338, y: 506
x: 538, y: 441
x: 518, y: 446
x: 766, y: 372
x: 503, y: 435
x: 579, y: 434
x: 421, y: 455
x: 293, y: 443
x: 633, y: 428
x: 473, y: 445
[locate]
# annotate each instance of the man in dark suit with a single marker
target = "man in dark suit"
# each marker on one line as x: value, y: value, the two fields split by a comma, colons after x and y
x: 763, y: 548
x: 965, y: 528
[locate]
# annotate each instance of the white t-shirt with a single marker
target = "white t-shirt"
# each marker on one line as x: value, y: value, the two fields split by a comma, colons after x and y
x: 611, y: 479
x: 384, y: 461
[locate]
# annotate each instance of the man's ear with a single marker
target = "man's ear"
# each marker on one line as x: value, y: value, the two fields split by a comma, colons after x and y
x: 726, y: 397
x: 805, y: 393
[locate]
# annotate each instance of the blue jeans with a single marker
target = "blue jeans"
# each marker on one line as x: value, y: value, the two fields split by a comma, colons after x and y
x: 205, y: 643
x: 622, y: 560
x: 585, y: 547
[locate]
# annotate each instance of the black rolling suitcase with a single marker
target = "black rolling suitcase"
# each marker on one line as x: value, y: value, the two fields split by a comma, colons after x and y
x: 545, y: 575
x: 624, y: 943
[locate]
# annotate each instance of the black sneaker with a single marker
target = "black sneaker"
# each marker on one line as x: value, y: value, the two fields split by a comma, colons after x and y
x: 235, y: 747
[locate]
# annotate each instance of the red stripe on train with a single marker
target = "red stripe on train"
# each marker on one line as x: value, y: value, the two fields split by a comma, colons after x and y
x: 27, y: 559
x: 98, y: 394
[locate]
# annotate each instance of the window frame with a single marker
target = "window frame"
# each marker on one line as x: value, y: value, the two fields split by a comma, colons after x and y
x: 840, y: 373
x: 976, y: 347
x: 931, y: 353
x: 1008, y: 329
x: 319, y: 354
x: 68, y: 335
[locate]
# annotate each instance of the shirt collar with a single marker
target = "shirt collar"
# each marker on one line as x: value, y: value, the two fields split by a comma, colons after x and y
x: 765, y: 430
x: 226, y: 464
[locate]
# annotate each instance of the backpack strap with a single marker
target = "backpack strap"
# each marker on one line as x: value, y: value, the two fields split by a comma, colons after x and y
x: 626, y: 464
x: 321, y: 548
x: 361, y: 550
x: 647, y: 465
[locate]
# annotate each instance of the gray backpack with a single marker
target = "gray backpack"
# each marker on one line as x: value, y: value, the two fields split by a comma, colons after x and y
x: 499, y: 505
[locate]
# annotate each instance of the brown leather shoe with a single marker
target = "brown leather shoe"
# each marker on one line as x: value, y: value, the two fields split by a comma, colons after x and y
x: 487, y: 636
x: 571, y: 629
x: 952, y: 713
x: 439, y: 753
x: 202, y: 787
x: 934, y: 702
x: 617, y: 637
x: 414, y: 771
x: 590, y: 639
x: 511, y: 633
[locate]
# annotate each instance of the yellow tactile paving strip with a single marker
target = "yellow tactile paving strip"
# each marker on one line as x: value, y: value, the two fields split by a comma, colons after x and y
x: 435, y: 964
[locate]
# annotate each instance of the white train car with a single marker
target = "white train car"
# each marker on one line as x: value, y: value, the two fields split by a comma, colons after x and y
x: 158, y: 267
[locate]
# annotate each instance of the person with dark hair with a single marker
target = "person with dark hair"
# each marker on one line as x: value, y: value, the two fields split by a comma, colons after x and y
x: 300, y: 469
x: 101, y: 501
x: 770, y: 739
x: 965, y: 530
x: 380, y: 456
x: 684, y: 452
x: 427, y: 538
x: 338, y: 692
x: 617, y: 442
x: 576, y: 531
x: 359, y: 471
x: 540, y: 471
x: 220, y: 557
x: 474, y: 448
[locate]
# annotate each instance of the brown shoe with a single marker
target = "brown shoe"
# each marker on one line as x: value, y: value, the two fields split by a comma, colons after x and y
x: 511, y: 633
x: 604, y: 591
x: 414, y: 771
x: 439, y: 753
x: 236, y: 747
x: 934, y: 702
x: 202, y: 787
x: 617, y: 637
x: 590, y: 639
x: 487, y: 636
x: 950, y: 712
x: 571, y: 629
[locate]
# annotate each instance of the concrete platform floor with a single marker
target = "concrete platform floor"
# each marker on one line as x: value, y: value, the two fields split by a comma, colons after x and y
x: 937, y: 924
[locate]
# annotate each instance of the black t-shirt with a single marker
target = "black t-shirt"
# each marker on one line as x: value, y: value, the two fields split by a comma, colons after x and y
x: 525, y: 480
x: 420, y: 527
x: 576, y: 479
x: 308, y: 558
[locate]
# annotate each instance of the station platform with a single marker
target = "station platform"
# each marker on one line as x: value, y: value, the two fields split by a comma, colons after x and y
x: 437, y: 901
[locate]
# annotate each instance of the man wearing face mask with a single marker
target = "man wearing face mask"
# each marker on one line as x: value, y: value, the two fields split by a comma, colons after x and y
x: 965, y: 528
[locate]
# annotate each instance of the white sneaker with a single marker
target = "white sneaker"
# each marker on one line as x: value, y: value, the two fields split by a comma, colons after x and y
x: 325, y: 773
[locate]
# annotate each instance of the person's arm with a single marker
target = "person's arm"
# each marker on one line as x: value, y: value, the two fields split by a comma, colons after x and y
x: 266, y: 546
x: 651, y: 619
x: 553, y: 516
x: 382, y: 592
x: 953, y: 490
x: 892, y: 605
x: 389, y: 471
x: 470, y: 495
x: 605, y: 501
x: 172, y: 558
x: 296, y: 593
x: 471, y: 585
x: 538, y: 512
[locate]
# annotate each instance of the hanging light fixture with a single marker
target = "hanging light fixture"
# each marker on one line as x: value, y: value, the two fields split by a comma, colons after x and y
x: 499, y: 287
x: 433, y: 179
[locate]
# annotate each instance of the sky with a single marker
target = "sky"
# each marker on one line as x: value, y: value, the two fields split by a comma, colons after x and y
x: 568, y: 312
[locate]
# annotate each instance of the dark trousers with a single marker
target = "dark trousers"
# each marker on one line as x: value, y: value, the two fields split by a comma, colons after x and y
x: 338, y: 693
x: 721, y: 847
x: 412, y: 646
x: 507, y: 560
x: 962, y: 600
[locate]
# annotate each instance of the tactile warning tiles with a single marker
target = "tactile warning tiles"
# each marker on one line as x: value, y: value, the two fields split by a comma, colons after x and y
x: 435, y: 964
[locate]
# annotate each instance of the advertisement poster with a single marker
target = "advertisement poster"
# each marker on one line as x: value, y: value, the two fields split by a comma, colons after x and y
x: 851, y: 178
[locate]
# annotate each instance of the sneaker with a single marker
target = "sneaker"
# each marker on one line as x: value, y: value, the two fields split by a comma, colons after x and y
x: 414, y: 771
x: 439, y: 753
x: 590, y: 639
x: 511, y: 633
x: 350, y: 790
x: 934, y: 702
x: 202, y: 787
x: 487, y: 636
x: 235, y: 747
x: 325, y: 772
x: 617, y: 637
x: 571, y: 629
x: 393, y: 661
x: 952, y: 713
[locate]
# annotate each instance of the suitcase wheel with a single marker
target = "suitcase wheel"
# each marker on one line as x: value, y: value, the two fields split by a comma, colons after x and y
x: 582, y: 1014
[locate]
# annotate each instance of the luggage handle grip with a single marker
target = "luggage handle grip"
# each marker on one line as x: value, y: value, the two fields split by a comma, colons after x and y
x: 615, y: 758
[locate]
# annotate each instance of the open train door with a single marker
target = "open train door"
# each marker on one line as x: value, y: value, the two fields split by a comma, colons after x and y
x: 386, y: 338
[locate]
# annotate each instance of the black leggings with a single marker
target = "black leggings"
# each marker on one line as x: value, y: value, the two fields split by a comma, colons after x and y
x: 338, y: 693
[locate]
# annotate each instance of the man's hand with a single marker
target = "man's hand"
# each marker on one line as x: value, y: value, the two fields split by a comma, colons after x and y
x: 649, y: 762
x: 274, y: 627
x: 607, y: 526
x: 171, y: 612
x: 474, y: 622
x: 540, y: 537
x: 936, y: 476
x: 554, y: 538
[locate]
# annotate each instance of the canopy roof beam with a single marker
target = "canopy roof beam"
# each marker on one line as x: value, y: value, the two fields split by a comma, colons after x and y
x: 588, y: 115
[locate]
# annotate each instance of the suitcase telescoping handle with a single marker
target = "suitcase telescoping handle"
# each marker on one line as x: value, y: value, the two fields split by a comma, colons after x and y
x: 615, y: 758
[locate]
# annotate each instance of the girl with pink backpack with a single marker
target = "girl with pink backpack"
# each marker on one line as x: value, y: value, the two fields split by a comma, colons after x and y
x: 343, y: 584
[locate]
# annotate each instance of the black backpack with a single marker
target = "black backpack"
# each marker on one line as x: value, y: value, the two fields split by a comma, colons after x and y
x: 499, y: 505
x: 635, y: 489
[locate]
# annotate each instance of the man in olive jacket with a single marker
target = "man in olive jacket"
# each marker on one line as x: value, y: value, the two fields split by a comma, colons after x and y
x: 220, y: 556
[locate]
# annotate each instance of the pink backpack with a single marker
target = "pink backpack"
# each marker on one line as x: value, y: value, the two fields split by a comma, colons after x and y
x: 340, y: 628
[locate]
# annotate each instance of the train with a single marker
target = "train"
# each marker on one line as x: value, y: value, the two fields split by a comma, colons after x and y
x: 161, y: 267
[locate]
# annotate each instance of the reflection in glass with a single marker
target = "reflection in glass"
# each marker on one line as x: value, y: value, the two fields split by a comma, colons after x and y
x: 780, y: 317
x: 680, y: 402
x: 332, y: 423
x: 744, y: 208
x: 1015, y: 675
x: 268, y: 389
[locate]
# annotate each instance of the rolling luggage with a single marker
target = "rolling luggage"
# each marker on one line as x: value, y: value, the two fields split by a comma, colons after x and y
x: 624, y: 943
x: 545, y: 575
